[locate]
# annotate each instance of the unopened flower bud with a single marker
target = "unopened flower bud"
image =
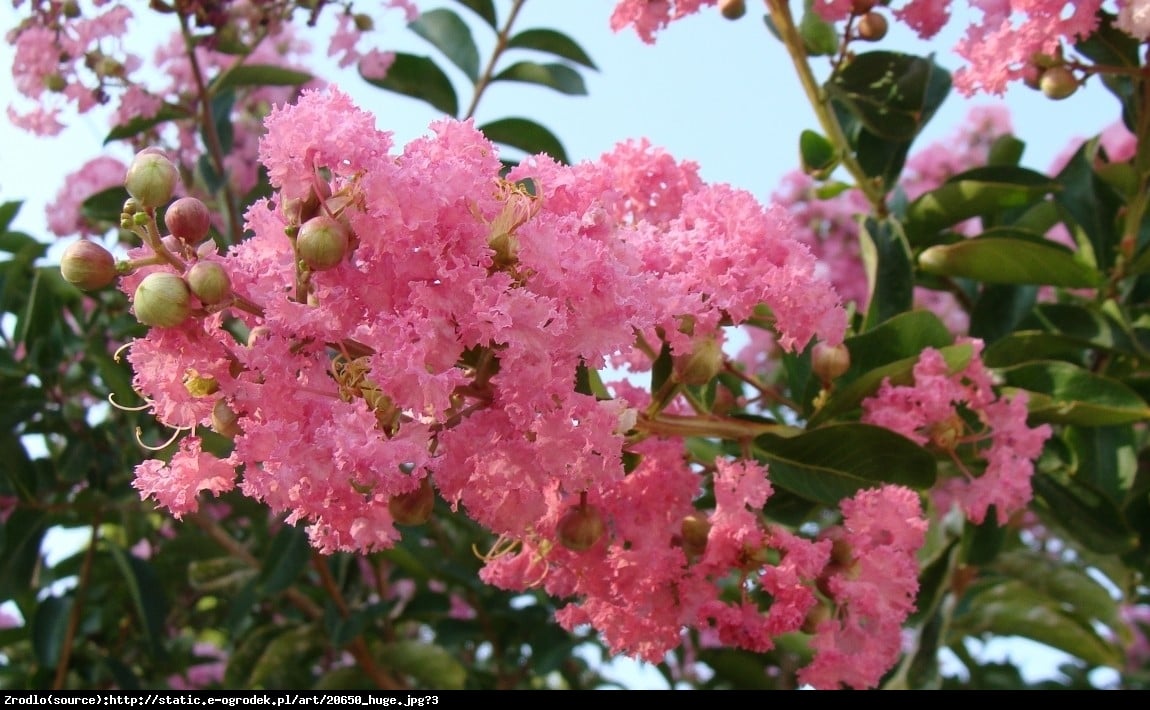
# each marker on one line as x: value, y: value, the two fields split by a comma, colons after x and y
x: 580, y: 528
x: 88, y: 265
x: 162, y: 300
x: 732, y: 9
x: 322, y: 243
x: 829, y: 362
x: 55, y: 83
x: 70, y: 9
x: 188, y: 219
x: 131, y: 206
x: 704, y: 362
x: 694, y: 530
x: 151, y: 179
x: 209, y: 282
x: 225, y: 421
x: 1058, y: 83
x: 363, y: 22
x: 413, y: 508
x: 872, y: 27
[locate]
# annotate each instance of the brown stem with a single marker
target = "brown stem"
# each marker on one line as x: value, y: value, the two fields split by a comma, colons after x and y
x: 501, y: 39
x: 77, y: 608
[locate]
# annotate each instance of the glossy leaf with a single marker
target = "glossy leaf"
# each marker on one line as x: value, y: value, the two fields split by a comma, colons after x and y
x: 431, y: 665
x: 259, y: 75
x: 49, y: 629
x: 1006, y: 257
x: 999, y: 309
x: 976, y: 192
x: 902, y: 336
x: 105, y: 206
x: 559, y: 77
x: 1084, y: 512
x: 1010, y: 609
x: 881, y: 159
x: 890, y: 276
x: 552, y: 42
x: 450, y: 35
x: 1061, y: 582
x: 830, y: 463
x: 8, y: 212
x: 1091, y: 203
x: 893, y: 94
x: 289, y: 555
x: 818, y: 35
x: 419, y: 78
x: 1067, y: 394
x: 484, y: 8
x: 23, y: 532
x: 526, y: 135
x: 817, y: 154
x: 146, y: 593
x: 136, y: 126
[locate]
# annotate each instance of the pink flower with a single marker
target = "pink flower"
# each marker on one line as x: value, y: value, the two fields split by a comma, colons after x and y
x: 650, y: 16
x: 65, y: 217
x: 931, y: 412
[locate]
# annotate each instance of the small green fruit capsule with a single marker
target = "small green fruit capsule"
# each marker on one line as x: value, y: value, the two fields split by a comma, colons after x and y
x: 162, y: 300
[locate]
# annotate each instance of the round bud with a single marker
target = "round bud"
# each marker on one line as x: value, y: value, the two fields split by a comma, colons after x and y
x: 162, y: 300
x: 188, y: 219
x: 151, y: 179
x: 830, y: 361
x: 704, y: 362
x: 1058, y: 83
x: 322, y: 243
x: 694, y: 529
x: 209, y: 282
x: 732, y: 9
x: 225, y: 421
x: 88, y: 265
x: 872, y: 27
x: 580, y: 528
x: 55, y: 83
x: 413, y: 508
x: 363, y: 22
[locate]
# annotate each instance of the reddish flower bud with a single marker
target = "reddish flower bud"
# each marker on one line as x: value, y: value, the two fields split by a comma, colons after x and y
x: 872, y: 27
x: 225, y: 421
x: 162, y: 300
x: 322, y: 243
x: 695, y: 529
x: 151, y: 179
x: 580, y: 528
x: 209, y: 282
x: 732, y: 9
x: 188, y: 219
x: 88, y: 265
x: 413, y: 508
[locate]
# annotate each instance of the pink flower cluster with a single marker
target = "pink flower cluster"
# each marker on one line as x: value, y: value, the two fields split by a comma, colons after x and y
x: 959, y: 413
x: 444, y: 347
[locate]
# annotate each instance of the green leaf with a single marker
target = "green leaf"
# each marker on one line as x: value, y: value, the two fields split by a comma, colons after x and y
x: 1084, y: 512
x: 588, y: 382
x: 147, y: 596
x: 983, y: 191
x: 891, y: 93
x: 1091, y: 203
x: 50, y: 628
x: 219, y: 574
x: 1007, y: 257
x: 286, y: 560
x: 818, y: 154
x: 818, y: 35
x: 999, y: 309
x: 901, y: 372
x: 8, y: 212
x: 450, y: 35
x: 1006, y: 150
x: 1107, y: 458
x: 258, y: 75
x: 431, y: 665
x: 551, y: 42
x: 105, y: 206
x: 286, y: 658
x: 23, y: 532
x: 560, y: 77
x: 419, y: 78
x: 831, y: 463
x: 1067, y: 394
x: 890, y: 275
x: 1011, y: 609
x: 1062, y: 583
x: 485, y: 9
x: 880, y: 158
x: 902, y: 336
x: 525, y: 135
x: 661, y: 369
x: 136, y: 126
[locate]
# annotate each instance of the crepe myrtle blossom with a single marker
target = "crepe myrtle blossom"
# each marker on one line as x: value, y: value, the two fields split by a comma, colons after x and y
x: 960, y: 414
x: 442, y: 338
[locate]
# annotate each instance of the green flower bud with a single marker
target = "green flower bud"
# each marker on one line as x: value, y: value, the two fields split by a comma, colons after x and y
x: 704, y: 362
x: 830, y: 361
x: 1058, y: 83
x: 162, y: 300
x: 322, y: 243
x: 151, y: 179
x: 88, y: 265
x: 209, y: 282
